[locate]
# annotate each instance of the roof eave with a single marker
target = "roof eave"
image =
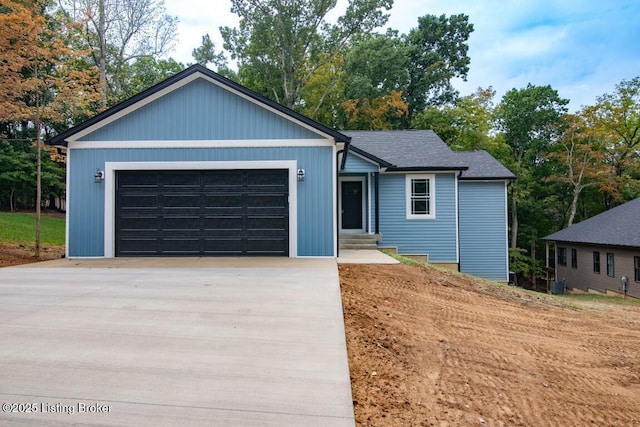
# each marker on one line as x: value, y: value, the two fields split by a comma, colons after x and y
x: 426, y: 168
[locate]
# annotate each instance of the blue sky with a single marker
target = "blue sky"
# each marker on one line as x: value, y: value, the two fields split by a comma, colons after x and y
x: 582, y: 48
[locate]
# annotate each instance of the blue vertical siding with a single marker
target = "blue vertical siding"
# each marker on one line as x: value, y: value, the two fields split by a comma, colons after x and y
x: 315, y: 193
x: 483, y: 230
x: 437, y: 237
x: 200, y: 110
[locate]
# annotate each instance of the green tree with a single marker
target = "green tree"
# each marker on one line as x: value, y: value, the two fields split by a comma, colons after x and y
x: 438, y: 53
x: 580, y: 159
x: 281, y: 44
x: 375, y: 78
x: 39, y: 82
x: 145, y: 72
x: 206, y: 53
x: 465, y: 125
x: 531, y: 120
x: 616, y: 118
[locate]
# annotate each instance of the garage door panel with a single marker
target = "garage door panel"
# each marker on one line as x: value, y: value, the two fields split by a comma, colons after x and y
x: 180, y: 246
x: 223, y: 179
x: 181, y: 201
x: 267, y: 178
x: 265, y: 246
x: 173, y: 180
x: 276, y: 223
x: 231, y: 223
x: 223, y: 246
x: 180, y: 223
x: 196, y: 213
x: 139, y: 223
x: 222, y: 200
x: 140, y: 201
x: 266, y: 201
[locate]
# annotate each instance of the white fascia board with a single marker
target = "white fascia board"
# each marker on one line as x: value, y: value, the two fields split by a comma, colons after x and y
x: 419, y: 172
x: 110, y: 169
x: 246, y: 143
x: 66, y: 206
x: 177, y: 85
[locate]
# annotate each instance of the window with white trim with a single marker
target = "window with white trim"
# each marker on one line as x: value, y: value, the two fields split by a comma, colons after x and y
x: 420, y: 196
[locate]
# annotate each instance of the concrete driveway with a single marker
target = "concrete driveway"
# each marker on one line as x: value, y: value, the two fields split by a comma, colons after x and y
x: 168, y: 342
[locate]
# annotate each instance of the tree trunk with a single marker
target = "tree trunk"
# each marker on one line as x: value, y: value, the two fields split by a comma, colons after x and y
x: 38, y: 187
x: 514, y: 221
x: 103, y: 53
x: 574, y: 205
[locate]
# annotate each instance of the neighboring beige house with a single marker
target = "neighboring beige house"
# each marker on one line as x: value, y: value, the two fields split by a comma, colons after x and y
x: 601, y: 253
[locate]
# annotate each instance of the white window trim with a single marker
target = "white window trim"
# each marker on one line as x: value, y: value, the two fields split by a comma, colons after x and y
x: 432, y: 196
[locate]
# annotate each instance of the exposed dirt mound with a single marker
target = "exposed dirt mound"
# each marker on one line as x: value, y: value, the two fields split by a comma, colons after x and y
x: 433, y: 348
x: 17, y: 253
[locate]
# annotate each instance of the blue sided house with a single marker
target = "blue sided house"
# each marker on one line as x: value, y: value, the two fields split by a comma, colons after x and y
x: 199, y: 165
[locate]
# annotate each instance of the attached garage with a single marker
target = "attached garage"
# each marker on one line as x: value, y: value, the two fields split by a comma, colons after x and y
x: 202, y: 213
x: 201, y: 166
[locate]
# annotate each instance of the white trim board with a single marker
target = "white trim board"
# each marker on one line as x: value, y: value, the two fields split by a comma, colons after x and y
x: 111, y: 168
x: 231, y: 143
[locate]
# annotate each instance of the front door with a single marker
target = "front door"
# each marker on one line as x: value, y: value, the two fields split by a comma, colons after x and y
x: 351, y: 198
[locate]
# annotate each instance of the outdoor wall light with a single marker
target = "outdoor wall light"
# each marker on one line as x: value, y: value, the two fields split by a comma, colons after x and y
x: 98, y: 177
x: 300, y: 174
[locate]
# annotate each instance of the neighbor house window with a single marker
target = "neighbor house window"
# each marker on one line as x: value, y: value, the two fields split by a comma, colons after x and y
x: 636, y: 268
x: 420, y: 195
x: 562, y: 256
x: 574, y: 258
x: 596, y: 262
x: 610, y: 267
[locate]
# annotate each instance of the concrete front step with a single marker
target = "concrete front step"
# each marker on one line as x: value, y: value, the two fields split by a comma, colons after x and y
x: 371, y: 246
x: 359, y: 241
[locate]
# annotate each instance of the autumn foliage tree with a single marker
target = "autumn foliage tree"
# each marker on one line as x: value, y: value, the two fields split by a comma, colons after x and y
x: 41, y: 81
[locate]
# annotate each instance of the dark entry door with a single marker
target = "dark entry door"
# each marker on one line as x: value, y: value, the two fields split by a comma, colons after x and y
x: 202, y: 213
x: 351, y: 205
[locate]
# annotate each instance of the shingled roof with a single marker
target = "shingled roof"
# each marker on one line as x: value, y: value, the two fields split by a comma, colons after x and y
x: 619, y: 226
x: 407, y: 150
x: 482, y: 166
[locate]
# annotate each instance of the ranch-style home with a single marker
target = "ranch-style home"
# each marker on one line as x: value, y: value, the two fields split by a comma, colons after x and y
x: 602, y: 253
x: 199, y: 165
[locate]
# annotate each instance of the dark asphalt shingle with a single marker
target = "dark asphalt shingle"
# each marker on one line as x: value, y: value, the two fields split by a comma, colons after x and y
x: 619, y: 226
x: 483, y: 165
x: 416, y: 149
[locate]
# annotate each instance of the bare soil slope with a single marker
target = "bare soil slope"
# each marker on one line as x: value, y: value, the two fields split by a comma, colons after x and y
x: 433, y: 348
x: 18, y: 253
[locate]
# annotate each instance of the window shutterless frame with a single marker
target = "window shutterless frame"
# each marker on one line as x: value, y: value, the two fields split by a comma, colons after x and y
x: 596, y: 262
x: 420, y: 196
x: 610, y: 265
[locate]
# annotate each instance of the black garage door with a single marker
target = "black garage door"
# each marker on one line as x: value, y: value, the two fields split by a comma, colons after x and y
x: 202, y: 213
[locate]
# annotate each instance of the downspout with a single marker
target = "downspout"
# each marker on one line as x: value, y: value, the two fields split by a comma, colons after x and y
x: 377, y: 200
x: 337, y: 205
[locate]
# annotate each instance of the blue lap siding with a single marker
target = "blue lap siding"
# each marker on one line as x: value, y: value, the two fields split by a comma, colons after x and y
x: 483, y: 229
x: 437, y: 237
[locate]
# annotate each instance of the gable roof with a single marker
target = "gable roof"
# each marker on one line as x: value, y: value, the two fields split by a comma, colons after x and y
x: 193, y: 71
x: 414, y: 150
x: 619, y: 226
x: 483, y: 166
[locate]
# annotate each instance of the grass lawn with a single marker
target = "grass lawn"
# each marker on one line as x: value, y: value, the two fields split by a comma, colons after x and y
x: 21, y: 228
